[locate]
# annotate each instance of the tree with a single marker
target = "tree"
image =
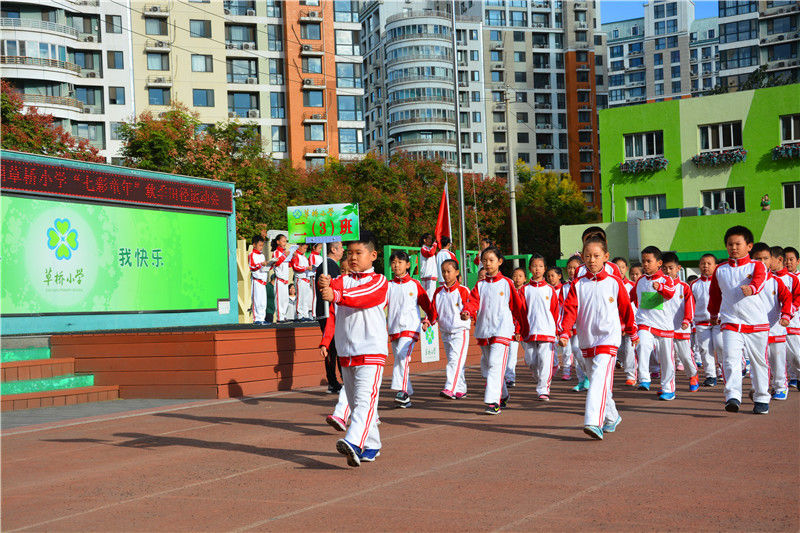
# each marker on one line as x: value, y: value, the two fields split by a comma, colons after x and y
x: 545, y: 202
x: 35, y: 133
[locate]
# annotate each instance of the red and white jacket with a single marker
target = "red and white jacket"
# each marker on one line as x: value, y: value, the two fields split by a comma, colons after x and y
x: 404, y: 298
x: 258, y: 269
x: 726, y: 301
x: 541, y: 303
x: 658, y: 320
x: 301, y: 267
x: 777, y: 302
x: 280, y: 265
x: 441, y: 257
x: 599, y: 308
x: 495, y: 304
x: 357, y: 322
x: 448, y: 303
x: 700, y: 288
x: 610, y: 268
x: 314, y: 260
x: 682, y: 308
x: 563, y: 292
x: 792, y: 282
x: 427, y: 262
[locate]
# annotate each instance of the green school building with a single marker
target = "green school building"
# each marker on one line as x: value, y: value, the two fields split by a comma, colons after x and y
x: 677, y: 174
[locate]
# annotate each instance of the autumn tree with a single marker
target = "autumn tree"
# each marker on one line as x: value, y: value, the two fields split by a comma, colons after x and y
x: 37, y: 133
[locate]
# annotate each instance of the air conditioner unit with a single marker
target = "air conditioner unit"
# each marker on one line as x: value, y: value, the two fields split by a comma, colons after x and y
x: 253, y: 113
x: 158, y: 80
x: 87, y: 110
x: 249, y: 46
x: 89, y: 39
x: 231, y: 114
x: 306, y: 48
x: 500, y: 127
x: 251, y: 12
x: 155, y: 9
x: 317, y: 117
x: 91, y: 74
x: 308, y: 81
x: 230, y: 46
x: 226, y: 11
x: 497, y: 66
x: 320, y: 151
x: 313, y: 14
x: 252, y: 81
x: 161, y: 44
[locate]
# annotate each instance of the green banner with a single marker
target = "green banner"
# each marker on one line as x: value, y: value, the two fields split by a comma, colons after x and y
x: 651, y: 300
x: 66, y: 257
x: 330, y: 222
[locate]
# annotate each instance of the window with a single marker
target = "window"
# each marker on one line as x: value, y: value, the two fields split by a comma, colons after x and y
x: 661, y: 43
x: 275, y: 71
x: 650, y: 205
x: 790, y: 129
x: 585, y: 117
x: 725, y: 200
x: 672, y: 41
x: 519, y: 18
x: 116, y: 95
x: 241, y: 103
x: 659, y: 87
x: 781, y: 25
x: 635, y: 48
x: 347, y: 43
x: 200, y: 28
x: 314, y: 132
x: 345, y: 11
x: 782, y: 51
x: 496, y: 75
x: 676, y: 71
x: 278, y: 138
x: 616, y: 51
x: 476, y: 116
x: 617, y: 65
x: 495, y: 55
x: 791, y: 195
x: 522, y: 118
x: 312, y: 65
x: 720, y: 136
x: 312, y: 98
x: 520, y: 77
x: 636, y: 62
x: 672, y: 9
x: 494, y: 35
x: 676, y: 86
x: 239, y: 70
x: 351, y: 141
x: 350, y: 107
x: 729, y: 8
x: 277, y: 108
x: 648, y: 144
x: 738, y: 31
x: 113, y: 24
x: 155, y: 26
x: 519, y: 57
x: 203, y: 97
x: 477, y: 137
x: 240, y: 34
x: 522, y: 96
x: 659, y: 11
x: 658, y: 74
x: 739, y: 57
x: 157, y: 61
x: 274, y: 37
x: 113, y: 131
x: 661, y: 27
x: 311, y: 30
x: 495, y: 17
x: 158, y: 96
x: 675, y: 56
x: 202, y: 63
x: 672, y: 25
x: 523, y: 137
x: 114, y: 60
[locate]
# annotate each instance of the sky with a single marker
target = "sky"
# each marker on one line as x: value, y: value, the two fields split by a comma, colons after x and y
x: 614, y: 10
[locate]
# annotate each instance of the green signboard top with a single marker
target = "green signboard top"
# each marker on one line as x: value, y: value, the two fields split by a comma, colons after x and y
x: 323, y: 223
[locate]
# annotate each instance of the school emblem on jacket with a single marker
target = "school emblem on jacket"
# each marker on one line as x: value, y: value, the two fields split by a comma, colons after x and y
x: 611, y: 299
x: 749, y: 275
x: 411, y: 294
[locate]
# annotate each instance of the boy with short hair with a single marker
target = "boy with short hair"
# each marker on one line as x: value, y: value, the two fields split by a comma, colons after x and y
x: 682, y: 307
x: 655, y: 322
x: 627, y: 355
x: 707, y: 335
x: 300, y: 265
x: 258, y: 272
x: 791, y: 260
x: 358, y: 325
x: 743, y: 319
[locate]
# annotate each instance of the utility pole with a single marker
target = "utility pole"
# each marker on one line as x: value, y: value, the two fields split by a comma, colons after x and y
x: 512, y: 180
x: 461, y: 207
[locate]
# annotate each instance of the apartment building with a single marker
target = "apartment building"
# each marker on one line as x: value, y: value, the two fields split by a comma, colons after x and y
x: 411, y: 96
x: 293, y: 69
x: 71, y: 59
x: 703, y: 55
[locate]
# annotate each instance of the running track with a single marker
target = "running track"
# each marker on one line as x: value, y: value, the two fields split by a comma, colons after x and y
x: 269, y: 463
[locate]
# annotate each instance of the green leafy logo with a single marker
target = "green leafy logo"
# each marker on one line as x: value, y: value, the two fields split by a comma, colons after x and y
x: 429, y: 335
x: 62, y: 239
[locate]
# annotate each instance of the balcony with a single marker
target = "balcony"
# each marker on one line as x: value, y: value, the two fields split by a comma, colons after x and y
x: 583, y: 68
x: 156, y: 10
x: 544, y: 126
x: 632, y: 68
x: 425, y: 99
x: 424, y: 120
x: 779, y: 11
x: 315, y: 151
x: 39, y: 63
x: 311, y: 50
x: 540, y: 25
x: 314, y: 15
x: 415, y: 13
x: 544, y: 146
x: 240, y: 45
x: 313, y: 84
x: 252, y: 112
x: 38, y: 25
x: 425, y: 79
x: 543, y: 66
x: 159, y: 81
x: 781, y: 37
x: 540, y: 5
x: 580, y: 6
x: 780, y: 64
x: 445, y: 58
x: 156, y: 46
x: 45, y: 100
x: 424, y: 36
x: 542, y: 105
x: 635, y: 54
x: 315, y: 118
x: 424, y: 142
x: 581, y: 25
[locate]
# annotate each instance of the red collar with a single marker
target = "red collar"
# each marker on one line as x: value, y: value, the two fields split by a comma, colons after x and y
x: 705, y: 278
x: 739, y: 262
x: 557, y: 287
x: 596, y: 277
x: 537, y: 283
x: 401, y: 280
x: 452, y: 287
x: 658, y: 274
x: 314, y: 253
x: 365, y: 274
x: 492, y: 279
x: 781, y: 272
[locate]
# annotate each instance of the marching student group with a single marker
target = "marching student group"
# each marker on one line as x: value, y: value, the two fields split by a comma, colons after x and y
x: 739, y: 317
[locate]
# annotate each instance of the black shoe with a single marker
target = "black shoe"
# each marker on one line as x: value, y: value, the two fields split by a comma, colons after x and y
x: 732, y: 405
x: 402, y: 399
x: 710, y: 382
x: 334, y: 389
x: 760, y: 408
x: 492, y: 409
x: 504, y: 402
x: 509, y: 384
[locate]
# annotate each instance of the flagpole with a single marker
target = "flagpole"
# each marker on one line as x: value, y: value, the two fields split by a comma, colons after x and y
x: 462, y: 225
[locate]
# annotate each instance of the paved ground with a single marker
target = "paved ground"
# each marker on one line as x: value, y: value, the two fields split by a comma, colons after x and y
x: 269, y: 464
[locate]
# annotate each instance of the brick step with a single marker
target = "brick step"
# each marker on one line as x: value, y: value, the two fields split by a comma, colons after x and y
x: 36, y: 369
x: 51, y: 398
x: 68, y: 381
x: 8, y: 355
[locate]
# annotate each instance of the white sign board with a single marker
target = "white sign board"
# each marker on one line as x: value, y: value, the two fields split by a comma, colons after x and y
x: 429, y: 344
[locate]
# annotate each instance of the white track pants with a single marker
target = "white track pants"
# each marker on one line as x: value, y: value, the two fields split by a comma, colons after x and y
x: 342, y: 409
x: 304, y: 298
x: 777, y: 365
x: 683, y: 353
x: 735, y: 345
x: 627, y: 355
x: 455, y: 346
x: 401, y: 369
x: 313, y: 296
x: 259, y: 292
x: 282, y: 303
x: 362, y: 385
x: 663, y: 351
x: 511, y: 367
x: 539, y: 357
x: 429, y: 285
x: 793, y: 356
x: 600, y: 406
x: 565, y: 356
x: 582, y: 367
x: 708, y: 342
x: 493, y: 365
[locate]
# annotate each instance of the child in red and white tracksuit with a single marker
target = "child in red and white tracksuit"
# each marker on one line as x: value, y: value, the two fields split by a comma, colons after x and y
x: 449, y: 301
x: 793, y: 329
x: 655, y: 322
x: 427, y: 264
x: 519, y: 279
x: 599, y: 306
x: 358, y: 326
x: 494, y: 303
x: 259, y: 273
x: 301, y: 267
x: 541, y: 304
x: 314, y: 261
x: 280, y: 264
x: 572, y: 352
x: 707, y: 336
x: 444, y: 254
x: 404, y: 298
x: 681, y: 306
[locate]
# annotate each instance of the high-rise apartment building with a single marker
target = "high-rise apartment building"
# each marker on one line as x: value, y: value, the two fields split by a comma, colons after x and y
x: 71, y: 59
x: 703, y: 55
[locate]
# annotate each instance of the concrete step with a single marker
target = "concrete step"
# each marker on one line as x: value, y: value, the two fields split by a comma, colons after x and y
x: 68, y: 381
x: 8, y: 355
x: 36, y: 369
x: 25, y: 341
x: 52, y: 398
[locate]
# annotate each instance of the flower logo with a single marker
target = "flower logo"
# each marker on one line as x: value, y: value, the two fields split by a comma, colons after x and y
x: 62, y: 239
x: 429, y: 335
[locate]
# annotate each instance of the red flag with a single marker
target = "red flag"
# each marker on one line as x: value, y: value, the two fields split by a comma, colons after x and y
x: 443, y: 220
